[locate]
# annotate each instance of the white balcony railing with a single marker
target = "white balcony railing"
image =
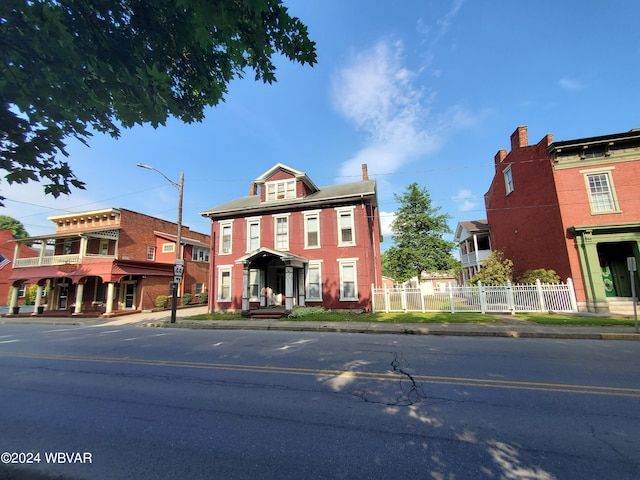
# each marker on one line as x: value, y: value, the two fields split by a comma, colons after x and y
x: 47, y: 261
x: 474, y: 258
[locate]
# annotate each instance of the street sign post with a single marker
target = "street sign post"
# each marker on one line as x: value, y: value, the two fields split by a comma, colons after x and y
x: 631, y: 265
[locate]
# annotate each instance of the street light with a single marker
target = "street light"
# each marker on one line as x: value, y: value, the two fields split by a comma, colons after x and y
x: 179, y: 263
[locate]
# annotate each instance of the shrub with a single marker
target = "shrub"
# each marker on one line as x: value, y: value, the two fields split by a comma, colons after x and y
x: 186, y: 298
x: 162, y: 301
x: 203, y: 298
x: 495, y: 270
x: 545, y: 276
x: 30, y: 294
x: 299, y: 312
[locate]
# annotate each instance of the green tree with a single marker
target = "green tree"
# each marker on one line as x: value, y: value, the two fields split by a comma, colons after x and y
x: 495, y: 270
x: 418, y: 231
x: 10, y: 223
x: 69, y: 68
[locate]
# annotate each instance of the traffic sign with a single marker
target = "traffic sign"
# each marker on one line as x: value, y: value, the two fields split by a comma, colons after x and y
x: 177, y: 279
x: 178, y: 270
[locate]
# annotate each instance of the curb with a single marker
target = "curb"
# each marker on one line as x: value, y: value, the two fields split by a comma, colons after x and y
x: 399, y: 330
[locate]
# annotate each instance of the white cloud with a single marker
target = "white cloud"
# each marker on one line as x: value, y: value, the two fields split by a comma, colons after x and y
x: 386, y: 219
x: 466, y: 200
x: 570, y: 84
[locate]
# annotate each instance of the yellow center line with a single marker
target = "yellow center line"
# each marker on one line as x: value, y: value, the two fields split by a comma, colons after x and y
x: 354, y: 374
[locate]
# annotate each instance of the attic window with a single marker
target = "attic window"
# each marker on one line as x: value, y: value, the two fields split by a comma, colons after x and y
x: 594, y: 152
x: 281, y: 190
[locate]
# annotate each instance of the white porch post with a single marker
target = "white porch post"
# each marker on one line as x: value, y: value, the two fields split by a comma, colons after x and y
x: 79, y: 294
x: 245, y: 288
x: 301, y: 290
x: 110, y: 296
x: 288, y: 288
x: 14, y: 298
x: 263, y: 289
x: 36, y: 305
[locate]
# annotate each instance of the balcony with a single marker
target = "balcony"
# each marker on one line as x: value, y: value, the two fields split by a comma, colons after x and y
x: 474, y: 258
x: 49, y: 260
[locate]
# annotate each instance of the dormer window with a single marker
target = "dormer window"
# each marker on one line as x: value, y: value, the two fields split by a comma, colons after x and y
x: 281, y: 190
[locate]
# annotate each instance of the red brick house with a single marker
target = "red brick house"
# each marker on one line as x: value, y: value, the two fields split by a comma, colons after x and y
x: 7, y: 250
x: 291, y: 243
x: 571, y: 206
x: 109, y: 261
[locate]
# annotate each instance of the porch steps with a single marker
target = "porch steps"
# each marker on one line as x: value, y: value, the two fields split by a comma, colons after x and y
x: 622, y: 305
x: 265, y: 314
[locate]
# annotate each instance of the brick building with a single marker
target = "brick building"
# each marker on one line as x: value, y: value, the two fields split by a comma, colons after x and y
x: 7, y: 250
x: 109, y: 261
x: 571, y: 206
x: 290, y: 243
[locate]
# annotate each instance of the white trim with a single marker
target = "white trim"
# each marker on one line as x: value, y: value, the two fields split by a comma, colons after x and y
x: 224, y: 269
x: 612, y: 197
x: 306, y: 217
x: 348, y: 262
x: 287, y: 193
x: 314, y: 264
x: 508, y: 180
x: 351, y: 212
x: 249, y: 222
x: 222, y: 250
x: 284, y: 245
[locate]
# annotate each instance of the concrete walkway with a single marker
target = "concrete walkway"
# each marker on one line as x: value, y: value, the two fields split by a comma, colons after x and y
x: 511, y: 327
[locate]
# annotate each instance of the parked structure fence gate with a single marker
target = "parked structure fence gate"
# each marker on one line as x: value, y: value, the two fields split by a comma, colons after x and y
x: 509, y: 298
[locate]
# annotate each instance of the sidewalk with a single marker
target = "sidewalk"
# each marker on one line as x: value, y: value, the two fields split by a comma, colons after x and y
x: 512, y: 327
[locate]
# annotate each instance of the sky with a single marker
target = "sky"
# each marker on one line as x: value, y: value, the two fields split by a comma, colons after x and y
x: 420, y: 91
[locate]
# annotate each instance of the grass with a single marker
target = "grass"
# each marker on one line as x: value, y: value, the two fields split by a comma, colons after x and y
x: 575, y: 320
x: 438, y: 317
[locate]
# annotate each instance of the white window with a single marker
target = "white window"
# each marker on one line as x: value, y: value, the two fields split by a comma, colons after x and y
x: 253, y: 234
x: 224, y: 283
x: 200, y: 254
x: 168, y: 247
x: 281, y: 230
x: 348, y: 279
x: 104, y: 247
x: 281, y: 190
x: 199, y: 288
x: 312, y: 229
x: 226, y: 234
x: 151, y: 253
x: 346, y: 232
x: 508, y: 180
x: 602, y: 195
x: 22, y: 289
x: 314, y: 282
x: 254, y: 285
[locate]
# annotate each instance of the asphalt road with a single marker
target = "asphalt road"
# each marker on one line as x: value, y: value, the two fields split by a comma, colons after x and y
x: 117, y: 402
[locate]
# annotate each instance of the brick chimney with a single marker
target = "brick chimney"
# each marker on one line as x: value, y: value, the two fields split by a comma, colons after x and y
x: 253, y: 190
x: 365, y: 172
x: 500, y: 156
x: 519, y: 138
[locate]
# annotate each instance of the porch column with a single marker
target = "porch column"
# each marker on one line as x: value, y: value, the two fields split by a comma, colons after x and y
x: 263, y: 288
x: 79, y: 294
x: 301, y: 290
x: 592, y: 273
x: 36, y: 305
x: 245, y: 288
x: 110, y: 296
x: 288, y: 288
x: 14, y: 298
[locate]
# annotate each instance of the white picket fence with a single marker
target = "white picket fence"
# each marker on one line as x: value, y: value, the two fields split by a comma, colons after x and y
x: 510, y: 298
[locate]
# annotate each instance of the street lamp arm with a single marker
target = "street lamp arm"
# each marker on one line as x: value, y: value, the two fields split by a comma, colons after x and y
x: 149, y: 167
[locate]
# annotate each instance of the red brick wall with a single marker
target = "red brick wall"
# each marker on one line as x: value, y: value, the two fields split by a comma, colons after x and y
x: 526, y: 224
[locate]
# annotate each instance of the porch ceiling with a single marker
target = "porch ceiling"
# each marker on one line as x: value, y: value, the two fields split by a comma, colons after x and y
x: 287, y: 258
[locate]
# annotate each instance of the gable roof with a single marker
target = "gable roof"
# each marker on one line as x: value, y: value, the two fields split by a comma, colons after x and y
x: 282, y: 167
x: 333, y: 194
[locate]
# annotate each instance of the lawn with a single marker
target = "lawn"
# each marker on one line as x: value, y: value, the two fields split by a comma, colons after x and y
x: 436, y: 317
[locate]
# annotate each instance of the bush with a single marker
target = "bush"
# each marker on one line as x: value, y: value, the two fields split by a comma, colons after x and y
x: 30, y: 294
x: 299, y: 312
x: 545, y: 276
x: 186, y: 298
x: 162, y: 301
x: 495, y: 270
x: 203, y: 298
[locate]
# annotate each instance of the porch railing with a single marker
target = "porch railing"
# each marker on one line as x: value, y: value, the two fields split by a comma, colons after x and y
x: 509, y: 298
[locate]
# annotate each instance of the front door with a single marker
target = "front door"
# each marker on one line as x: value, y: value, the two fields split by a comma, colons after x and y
x: 128, y: 295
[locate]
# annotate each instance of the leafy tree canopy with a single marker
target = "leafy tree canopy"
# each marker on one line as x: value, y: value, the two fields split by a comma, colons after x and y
x: 75, y: 66
x: 10, y: 223
x: 418, y: 231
